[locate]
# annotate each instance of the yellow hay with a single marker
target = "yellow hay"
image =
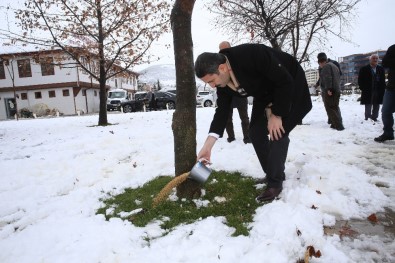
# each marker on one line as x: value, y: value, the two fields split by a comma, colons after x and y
x: 164, y: 193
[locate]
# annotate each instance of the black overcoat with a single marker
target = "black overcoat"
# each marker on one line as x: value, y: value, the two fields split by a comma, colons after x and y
x: 389, y: 62
x: 365, y: 82
x: 269, y: 76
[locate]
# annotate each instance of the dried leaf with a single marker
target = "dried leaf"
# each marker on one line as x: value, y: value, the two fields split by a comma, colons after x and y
x: 318, y: 192
x: 314, y: 207
x: 310, y: 250
x: 373, y: 218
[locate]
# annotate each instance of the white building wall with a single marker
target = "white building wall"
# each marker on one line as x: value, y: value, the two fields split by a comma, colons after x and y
x: 67, y: 105
x: 92, y: 97
x: 64, y: 104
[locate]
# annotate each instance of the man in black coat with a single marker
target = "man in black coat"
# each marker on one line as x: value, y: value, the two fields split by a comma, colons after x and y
x: 281, y: 99
x: 387, y: 112
x: 371, y: 81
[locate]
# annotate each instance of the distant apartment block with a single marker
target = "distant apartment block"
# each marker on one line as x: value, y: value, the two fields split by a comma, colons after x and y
x: 350, y: 66
x: 52, y: 79
x: 312, y: 76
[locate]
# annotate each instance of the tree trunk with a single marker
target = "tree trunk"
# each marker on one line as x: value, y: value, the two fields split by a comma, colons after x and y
x: 184, y: 118
x: 102, y: 71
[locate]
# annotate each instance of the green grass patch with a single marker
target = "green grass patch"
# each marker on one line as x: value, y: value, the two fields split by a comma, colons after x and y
x: 228, y: 194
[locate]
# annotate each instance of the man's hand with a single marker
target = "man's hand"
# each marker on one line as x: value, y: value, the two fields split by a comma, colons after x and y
x: 205, y: 152
x: 274, y: 125
x: 330, y: 93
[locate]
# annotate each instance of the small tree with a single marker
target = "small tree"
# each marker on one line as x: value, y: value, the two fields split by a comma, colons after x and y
x: 104, y: 37
x: 184, y: 118
x: 293, y: 26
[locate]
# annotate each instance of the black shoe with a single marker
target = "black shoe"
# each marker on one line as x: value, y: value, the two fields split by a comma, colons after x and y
x: 383, y: 138
x: 231, y: 139
x: 366, y: 119
x: 269, y: 194
x: 374, y: 120
x: 340, y: 128
x: 261, y: 180
x: 247, y: 140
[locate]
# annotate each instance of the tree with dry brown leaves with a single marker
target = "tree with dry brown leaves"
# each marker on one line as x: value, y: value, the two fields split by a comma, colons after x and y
x: 104, y: 37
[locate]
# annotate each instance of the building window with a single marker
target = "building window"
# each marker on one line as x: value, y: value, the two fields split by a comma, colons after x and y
x: 37, y: 95
x: 24, y: 69
x: 47, y: 66
x: 2, y: 71
x: 51, y: 94
x: 84, y: 92
x: 66, y: 93
x: 24, y: 96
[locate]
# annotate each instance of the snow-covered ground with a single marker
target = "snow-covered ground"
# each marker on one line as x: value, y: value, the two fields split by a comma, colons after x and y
x: 54, y: 171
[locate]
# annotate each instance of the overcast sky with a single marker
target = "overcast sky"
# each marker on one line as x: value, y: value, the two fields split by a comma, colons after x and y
x: 373, y: 30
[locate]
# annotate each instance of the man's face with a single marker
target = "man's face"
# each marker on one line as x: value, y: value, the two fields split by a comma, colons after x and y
x: 321, y: 64
x: 374, y: 60
x: 218, y: 80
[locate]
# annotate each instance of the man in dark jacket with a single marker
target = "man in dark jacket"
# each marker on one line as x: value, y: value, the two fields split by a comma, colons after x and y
x: 323, y: 55
x: 389, y: 97
x: 371, y: 81
x: 330, y: 91
x: 281, y: 99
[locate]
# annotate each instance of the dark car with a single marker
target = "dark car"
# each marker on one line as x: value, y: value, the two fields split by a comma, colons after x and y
x: 165, y: 100
x: 132, y: 106
x: 157, y: 100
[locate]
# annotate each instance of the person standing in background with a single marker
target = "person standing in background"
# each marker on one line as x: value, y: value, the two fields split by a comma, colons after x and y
x: 371, y: 81
x: 322, y: 54
x: 241, y: 104
x: 330, y: 90
x: 388, y: 108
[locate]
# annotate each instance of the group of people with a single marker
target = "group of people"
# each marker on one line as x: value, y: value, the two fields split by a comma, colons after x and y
x: 281, y: 99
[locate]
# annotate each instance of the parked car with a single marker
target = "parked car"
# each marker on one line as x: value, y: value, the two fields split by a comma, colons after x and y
x: 132, y: 106
x: 165, y: 100
x: 205, y: 98
x: 160, y: 100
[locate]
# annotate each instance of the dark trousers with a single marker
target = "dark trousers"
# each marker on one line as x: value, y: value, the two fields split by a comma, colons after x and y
x: 387, y: 112
x: 331, y: 104
x: 372, y: 111
x: 271, y: 154
x: 245, y: 122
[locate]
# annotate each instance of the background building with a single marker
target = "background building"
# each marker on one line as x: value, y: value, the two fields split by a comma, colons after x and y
x: 312, y: 76
x: 48, y: 82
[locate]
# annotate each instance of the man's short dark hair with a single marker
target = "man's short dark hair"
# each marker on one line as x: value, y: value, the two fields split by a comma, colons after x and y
x: 208, y: 63
x: 322, y: 57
